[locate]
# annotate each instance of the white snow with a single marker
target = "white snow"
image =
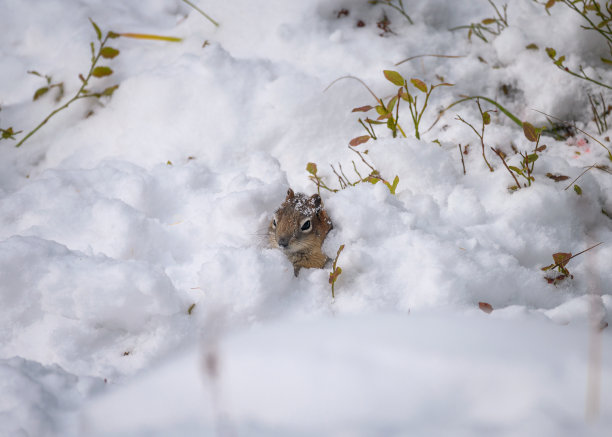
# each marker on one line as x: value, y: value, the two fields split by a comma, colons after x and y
x: 132, y: 230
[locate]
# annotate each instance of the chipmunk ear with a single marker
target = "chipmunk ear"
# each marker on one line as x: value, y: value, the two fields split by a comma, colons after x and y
x: 290, y: 194
x: 316, y: 200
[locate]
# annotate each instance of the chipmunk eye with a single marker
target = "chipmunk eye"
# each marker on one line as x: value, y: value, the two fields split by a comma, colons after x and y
x: 274, y: 223
x: 306, y: 225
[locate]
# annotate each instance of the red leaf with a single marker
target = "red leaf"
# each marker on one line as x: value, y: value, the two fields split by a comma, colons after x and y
x: 359, y: 140
x: 487, y: 308
x: 365, y: 108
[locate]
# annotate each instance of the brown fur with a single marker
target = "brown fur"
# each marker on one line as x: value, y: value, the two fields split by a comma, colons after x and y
x: 302, y: 247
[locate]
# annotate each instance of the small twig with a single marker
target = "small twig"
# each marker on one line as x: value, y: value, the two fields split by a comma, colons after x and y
x: 354, y: 78
x: 579, y: 176
x: 462, y: 161
x: 363, y: 159
x: 434, y: 56
x: 506, y: 165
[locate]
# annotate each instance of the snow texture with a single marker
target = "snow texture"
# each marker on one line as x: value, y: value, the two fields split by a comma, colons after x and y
x: 138, y: 295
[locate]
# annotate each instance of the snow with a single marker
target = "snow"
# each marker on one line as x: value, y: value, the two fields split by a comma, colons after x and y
x: 138, y: 295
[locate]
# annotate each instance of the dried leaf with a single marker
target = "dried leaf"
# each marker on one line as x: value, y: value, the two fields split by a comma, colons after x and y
x: 365, y: 108
x: 561, y: 258
x: 557, y: 177
x: 359, y: 140
x: 489, y: 21
x: 530, y: 132
x: 532, y: 46
x: 487, y: 308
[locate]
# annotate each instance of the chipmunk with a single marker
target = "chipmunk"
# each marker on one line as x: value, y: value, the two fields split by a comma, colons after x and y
x: 299, y: 228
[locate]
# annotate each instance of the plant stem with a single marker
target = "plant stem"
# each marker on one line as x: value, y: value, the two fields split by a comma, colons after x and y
x: 78, y: 95
x: 202, y: 12
x: 507, y: 168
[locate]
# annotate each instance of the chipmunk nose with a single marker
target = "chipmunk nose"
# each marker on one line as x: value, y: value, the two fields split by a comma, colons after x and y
x: 283, y: 242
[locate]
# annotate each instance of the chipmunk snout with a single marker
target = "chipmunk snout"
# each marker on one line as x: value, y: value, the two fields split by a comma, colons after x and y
x: 283, y: 242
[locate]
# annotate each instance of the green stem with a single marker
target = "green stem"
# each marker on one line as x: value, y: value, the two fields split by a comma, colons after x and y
x: 584, y: 15
x: 78, y: 95
x: 202, y: 12
x: 400, y: 10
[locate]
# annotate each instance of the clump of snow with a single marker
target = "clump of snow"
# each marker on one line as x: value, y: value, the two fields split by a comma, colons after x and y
x: 132, y: 229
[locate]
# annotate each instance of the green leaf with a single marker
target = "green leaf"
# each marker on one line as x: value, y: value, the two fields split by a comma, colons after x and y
x: 486, y: 118
x: 552, y: 53
x: 516, y: 169
x: 531, y: 158
x: 311, y: 168
x: 530, y: 132
x: 489, y: 21
x: 419, y: 84
x: 532, y: 46
x: 334, y: 276
x: 370, y: 121
x: 407, y: 97
x: 393, y: 186
x: 109, y: 91
x: 98, y: 31
x: 391, y: 104
x: 101, y: 71
x: 578, y: 190
x: 606, y: 61
x: 381, y: 110
x: 559, y: 62
x: 550, y: 4
x: 109, y: 52
x: 359, y: 140
x: 40, y: 92
x: 394, y: 77
x: 391, y: 123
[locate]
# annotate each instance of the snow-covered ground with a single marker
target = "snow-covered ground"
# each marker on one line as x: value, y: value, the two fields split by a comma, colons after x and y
x: 137, y: 294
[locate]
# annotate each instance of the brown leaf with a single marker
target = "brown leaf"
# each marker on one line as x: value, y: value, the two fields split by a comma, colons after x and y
x: 561, y: 258
x: 530, y: 132
x: 557, y: 177
x: 365, y: 108
x: 359, y: 140
x: 487, y: 308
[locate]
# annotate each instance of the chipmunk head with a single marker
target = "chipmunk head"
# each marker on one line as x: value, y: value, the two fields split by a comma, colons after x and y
x: 300, y: 224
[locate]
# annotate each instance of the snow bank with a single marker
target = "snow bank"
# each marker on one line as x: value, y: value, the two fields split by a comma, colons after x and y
x: 133, y: 226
